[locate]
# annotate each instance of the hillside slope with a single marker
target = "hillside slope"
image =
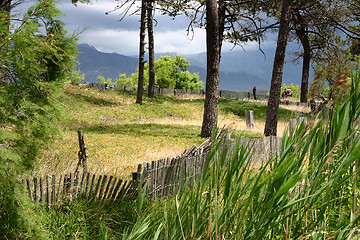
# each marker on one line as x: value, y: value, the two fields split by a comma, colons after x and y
x: 239, y: 70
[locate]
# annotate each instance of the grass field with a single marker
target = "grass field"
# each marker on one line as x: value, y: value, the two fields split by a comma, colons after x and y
x: 120, y: 134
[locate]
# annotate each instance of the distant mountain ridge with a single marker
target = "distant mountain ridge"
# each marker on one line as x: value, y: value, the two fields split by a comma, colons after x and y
x: 239, y: 70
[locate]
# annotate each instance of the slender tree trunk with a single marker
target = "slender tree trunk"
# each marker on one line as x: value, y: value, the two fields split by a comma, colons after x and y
x: 305, y: 70
x: 212, y: 74
x: 151, y: 88
x: 140, y: 89
x: 274, y: 98
x: 304, y: 39
x: 5, y: 7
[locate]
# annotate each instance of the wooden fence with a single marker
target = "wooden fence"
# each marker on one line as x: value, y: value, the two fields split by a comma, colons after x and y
x: 161, y: 178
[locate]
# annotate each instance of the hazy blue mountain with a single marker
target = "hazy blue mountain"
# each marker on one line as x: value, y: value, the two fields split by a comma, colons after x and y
x: 94, y: 63
x: 239, y: 70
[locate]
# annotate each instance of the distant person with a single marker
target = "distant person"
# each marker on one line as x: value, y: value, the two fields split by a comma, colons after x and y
x: 248, y: 95
x: 289, y: 92
x: 254, y: 92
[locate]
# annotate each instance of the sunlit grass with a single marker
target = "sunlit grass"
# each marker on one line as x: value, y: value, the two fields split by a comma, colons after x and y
x: 119, y: 134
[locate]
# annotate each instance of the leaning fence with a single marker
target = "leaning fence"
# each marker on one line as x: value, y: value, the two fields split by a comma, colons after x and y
x: 159, y: 178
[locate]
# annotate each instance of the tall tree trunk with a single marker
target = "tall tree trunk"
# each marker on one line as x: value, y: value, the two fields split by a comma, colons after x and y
x: 151, y: 88
x: 274, y: 98
x: 305, y: 70
x: 306, y: 64
x: 304, y: 39
x: 5, y: 7
x: 213, y: 50
x: 140, y: 89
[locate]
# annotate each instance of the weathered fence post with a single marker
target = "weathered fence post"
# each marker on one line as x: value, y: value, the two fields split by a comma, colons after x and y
x: 303, y: 120
x: 249, y: 115
x: 292, y: 125
x: 325, y: 112
x: 82, y: 153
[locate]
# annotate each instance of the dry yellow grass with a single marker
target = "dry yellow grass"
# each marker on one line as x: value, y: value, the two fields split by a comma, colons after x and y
x: 113, y: 126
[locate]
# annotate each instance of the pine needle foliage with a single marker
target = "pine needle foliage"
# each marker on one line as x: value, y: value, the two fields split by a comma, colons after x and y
x: 338, y: 79
x: 35, y: 56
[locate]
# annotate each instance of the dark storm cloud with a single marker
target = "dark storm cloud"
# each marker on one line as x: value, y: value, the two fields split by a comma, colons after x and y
x: 93, y: 15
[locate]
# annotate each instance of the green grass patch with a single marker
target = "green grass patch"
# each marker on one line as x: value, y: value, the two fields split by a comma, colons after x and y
x: 239, y: 107
x: 84, y: 219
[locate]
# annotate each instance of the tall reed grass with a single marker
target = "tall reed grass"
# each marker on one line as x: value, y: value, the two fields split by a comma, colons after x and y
x: 309, y: 191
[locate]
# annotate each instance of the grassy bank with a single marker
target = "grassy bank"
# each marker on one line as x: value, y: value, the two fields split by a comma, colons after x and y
x: 120, y: 134
x: 310, y: 191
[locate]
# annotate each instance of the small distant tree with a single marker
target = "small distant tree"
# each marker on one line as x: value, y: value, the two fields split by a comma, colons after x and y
x: 125, y: 81
x: 75, y: 77
x: 171, y: 72
x: 103, y: 81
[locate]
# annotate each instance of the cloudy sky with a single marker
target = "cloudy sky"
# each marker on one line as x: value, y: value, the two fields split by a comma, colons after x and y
x: 108, y: 34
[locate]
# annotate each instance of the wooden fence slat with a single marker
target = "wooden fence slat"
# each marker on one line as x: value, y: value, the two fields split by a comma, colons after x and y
x: 36, y: 196
x: 97, y: 187
x: 48, y: 190
x: 175, y: 175
x: 179, y: 173
x: 156, y: 179
x: 28, y: 183
x: 126, y: 190
x: 112, y: 187
x: 41, y: 190
x: 82, y: 182
x: 159, y: 185
x: 92, y: 185
x: 145, y: 171
x: 134, y: 185
x: 59, y: 188
x: 116, y: 189
x: 53, y: 189
x: 102, y: 186
x: 107, y: 187
x: 76, y: 183
x: 139, y: 168
x: 190, y: 170
x: 167, y: 182
x: 65, y: 185
x: 183, y: 172
x: 151, y: 179
x: 72, y: 187
x: 87, y: 183
x: 163, y: 177
x: 123, y: 190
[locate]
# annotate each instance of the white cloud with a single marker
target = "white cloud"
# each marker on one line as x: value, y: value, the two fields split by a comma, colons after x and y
x: 108, y: 40
x: 179, y: 42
